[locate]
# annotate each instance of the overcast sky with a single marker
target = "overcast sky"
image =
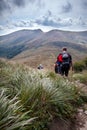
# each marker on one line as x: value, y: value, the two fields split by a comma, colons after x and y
x: 68, y: 15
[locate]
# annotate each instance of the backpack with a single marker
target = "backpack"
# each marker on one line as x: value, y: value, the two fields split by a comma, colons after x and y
x: 64, y: 58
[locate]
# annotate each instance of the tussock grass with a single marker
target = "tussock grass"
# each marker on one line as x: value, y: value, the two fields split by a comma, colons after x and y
x: 11, y: 114
x: 82, y: 77
x: 81, y: 65
x: 40, y: 94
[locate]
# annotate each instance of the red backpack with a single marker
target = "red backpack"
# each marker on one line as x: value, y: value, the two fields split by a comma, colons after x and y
x: 64, y: 58
x: 59, y: 58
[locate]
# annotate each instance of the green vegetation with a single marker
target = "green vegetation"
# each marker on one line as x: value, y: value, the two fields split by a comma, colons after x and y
x: 12, y: 116
x: 81, y: 65
x: 31, y: 99
x: 81, y: 71
x: 10, y: 52
x: 82, y: 77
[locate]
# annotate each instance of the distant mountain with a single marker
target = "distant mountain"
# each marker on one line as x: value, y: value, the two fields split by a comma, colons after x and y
x: 35, y: 46
x: 14, y: 43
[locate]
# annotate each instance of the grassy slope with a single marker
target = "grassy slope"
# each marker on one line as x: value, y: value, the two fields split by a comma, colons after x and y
x: 34, y: 46
x: 30, y: 94
x: 46, y: 56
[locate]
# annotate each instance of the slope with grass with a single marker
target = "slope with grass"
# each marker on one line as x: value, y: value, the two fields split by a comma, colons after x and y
x: 32, y: 100
x: 33, y: 47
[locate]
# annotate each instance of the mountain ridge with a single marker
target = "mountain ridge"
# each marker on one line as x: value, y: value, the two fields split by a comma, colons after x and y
x: 36, y: 46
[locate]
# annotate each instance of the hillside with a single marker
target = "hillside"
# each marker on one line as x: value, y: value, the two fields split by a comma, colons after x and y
x: 14, y: 43
x: 33, y: 47
x: 31, y: 99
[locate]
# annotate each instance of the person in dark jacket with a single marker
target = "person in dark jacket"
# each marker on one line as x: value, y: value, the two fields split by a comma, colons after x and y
x: 40, y: 66
x: 64, y: 61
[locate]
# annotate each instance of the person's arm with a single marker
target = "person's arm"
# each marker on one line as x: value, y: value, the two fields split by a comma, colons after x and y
x: 71, y: 64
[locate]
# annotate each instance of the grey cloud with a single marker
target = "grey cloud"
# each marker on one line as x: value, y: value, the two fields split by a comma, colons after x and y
x: 49, y: 13
x: 4, y: 6
x: 81, y: 21
x: 1, y: 27
x: 53, y: 21
x: 85, y: 5
x: 46, y: 22
x: 19, y: 3
x: 39, y: 3
x: 32, y: 1
x: 23, y: 24
x: 9, y: 5
x: 67, y: 8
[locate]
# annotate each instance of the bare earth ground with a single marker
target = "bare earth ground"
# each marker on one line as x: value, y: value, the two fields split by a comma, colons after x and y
x: 80, y: 124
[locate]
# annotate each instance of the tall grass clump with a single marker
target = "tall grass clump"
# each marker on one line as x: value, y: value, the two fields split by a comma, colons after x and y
x: 42, y: 95
x: 2, y: 63
x: 85, y: 62
x: 49, y: 99
x: 12, y: 116
x: 80, y: 65
x: 81, y: 77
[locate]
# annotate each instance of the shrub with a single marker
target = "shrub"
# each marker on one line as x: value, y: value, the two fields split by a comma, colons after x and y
x: 85, y: 62
x: 79, y: 66
x: 82, y: 77
x: 2, y: 63
x: 51, y: 75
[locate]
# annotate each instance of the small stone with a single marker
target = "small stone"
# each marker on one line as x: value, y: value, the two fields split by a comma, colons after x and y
x: 80, y: 110
x: 85, y: 112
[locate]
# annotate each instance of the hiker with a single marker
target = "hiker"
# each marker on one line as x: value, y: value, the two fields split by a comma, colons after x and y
x: 40, y: 66
x: 64, y: 61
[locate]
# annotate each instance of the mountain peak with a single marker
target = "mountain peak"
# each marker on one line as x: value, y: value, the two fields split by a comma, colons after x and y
x: 35, y: 46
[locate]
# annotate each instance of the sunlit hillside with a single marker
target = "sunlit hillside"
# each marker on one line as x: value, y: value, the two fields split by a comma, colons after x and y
x: 33, y: 47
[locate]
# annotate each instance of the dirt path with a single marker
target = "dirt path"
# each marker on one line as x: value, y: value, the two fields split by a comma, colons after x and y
x: 82, y: 114
x: 79, y: 124
x: 81, y: 121
x: 81, y: 118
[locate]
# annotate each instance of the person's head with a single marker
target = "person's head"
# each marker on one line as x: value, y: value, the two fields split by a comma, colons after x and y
x: 40, y: 64
x: 64, y: 49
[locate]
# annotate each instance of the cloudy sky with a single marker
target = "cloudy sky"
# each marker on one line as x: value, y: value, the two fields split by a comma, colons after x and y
x: 44, y: 14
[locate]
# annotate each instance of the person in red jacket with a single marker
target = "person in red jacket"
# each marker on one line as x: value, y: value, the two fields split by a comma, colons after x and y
x: 64, y: 61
